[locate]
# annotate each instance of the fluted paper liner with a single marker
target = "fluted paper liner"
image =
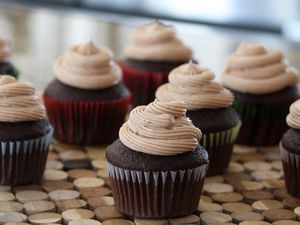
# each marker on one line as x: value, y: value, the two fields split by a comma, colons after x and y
x: 291, y: 167
x: 219, y: 146
x: 87, y: 122
x: 156, y: 194
x: 24, y: 161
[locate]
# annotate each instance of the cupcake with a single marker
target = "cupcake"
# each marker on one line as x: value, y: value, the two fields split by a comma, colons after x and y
x: 25, y: 133
x: 87, y: 102
x: 152, y: 53
x: 5, y: 66
x: 290, y: 151
x: 264, y: 86
x: 209, y: 107
x: 157, y: 166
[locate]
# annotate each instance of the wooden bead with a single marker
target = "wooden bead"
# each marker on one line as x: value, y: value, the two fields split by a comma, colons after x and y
x: 279, y: 214
x: 55, y: 175
x: 98, y: 164
x: 209, y: 207
x: 277, y: 165
x: 150, y: 222
x: 190, y: 219
x: 6, y: 196
x: 84, y: 222
x: 254, y: 222
x: 286, y: 222
x: 25, y: 196
x: 15, y: 217
x: 265, y: 175
x: 96, y: 152
x: 246, y: 185
x: 252, y: 196
x: 10, y: 206
x: 49, y: 186
x: 117, y: 222
x: 208, y: 218
x: 227, y: 197
x: 257, y: 166
x: 96, y: 202
x: 34, y: 207
x: 204, y: 198
x: 238, y: 217
x: 63, y: 195
x: 45, y: 218
x: 235, y: 167
x: 78, y: 173
x: 291, y: 202
x: 281, y: 193
x: 263, y: 205
x: 94, y: 192
x: 273, y: 184
x: 70, y: 204
x: 54, y: 165
x: 214, y: 188
x: 77, y: 214
x: 107, y: 212
x: 88, y: 182
x: 214, y: 179
x: 232, y: 207
x: 297, y: 212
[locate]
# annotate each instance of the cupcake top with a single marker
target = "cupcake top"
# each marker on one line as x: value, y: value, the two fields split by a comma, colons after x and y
x: 87, y: 66
x: 252, y: 69
x: 160, y: 128
x: 293, y: 118
x: 194, y: 85
x: 5, y: 49
x: 156, y: 42
x: 18, y: 101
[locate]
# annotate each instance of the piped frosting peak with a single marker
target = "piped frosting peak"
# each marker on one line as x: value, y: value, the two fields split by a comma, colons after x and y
x: 293, y: 118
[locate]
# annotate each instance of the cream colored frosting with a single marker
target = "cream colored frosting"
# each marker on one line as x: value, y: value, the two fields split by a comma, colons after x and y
x: 252, y: 69
x: 160, y: 128
x: 86, y: 66
x: 293, y: 118
x: 5, y: 49
x: 157, y: 42
x: 18, y: 101
x: 194, y: 86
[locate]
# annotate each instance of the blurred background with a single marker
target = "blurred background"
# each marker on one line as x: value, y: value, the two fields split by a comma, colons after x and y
x: 40, y: 30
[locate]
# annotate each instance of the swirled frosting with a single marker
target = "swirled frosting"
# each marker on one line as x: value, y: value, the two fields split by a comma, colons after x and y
x: 194, y: 86
x: 18, y: 101
x: 5, y: 49
x: 293, y: 118
x: 160, y: 128
x: 86, y: 66
x: 252, y: 69
x: 157, y: 42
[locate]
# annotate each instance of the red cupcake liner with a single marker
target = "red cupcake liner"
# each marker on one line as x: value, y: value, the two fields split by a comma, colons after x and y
x: 291, y: 167
x: 142, y: 84
x: 86, y: 122
x: 159, y: 194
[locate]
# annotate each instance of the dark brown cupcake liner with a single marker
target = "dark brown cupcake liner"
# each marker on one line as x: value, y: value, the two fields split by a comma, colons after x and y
x: 24, y: 161
x: 159, y: 194
x: 291, y: 168
x: 219, y: 146
x: 87, y: 122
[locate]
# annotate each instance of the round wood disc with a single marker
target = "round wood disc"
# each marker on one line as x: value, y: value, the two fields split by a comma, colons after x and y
x: 252, y: 196
x: 281, y: 193
x: 235, y: 167
x: 16, y: 217
x: 52, y: 156
x: 238, y: 217
x: 209, y: 207
x: 246, y: 185
x: 265, y: 175
x: 117, y: 222
x: 63, y: 195
x: 277, y: 165
x: 25, y: 196
x: 291, y: 202
x: 54, y: 165
x: 204, y: 198
x: 96, y: 202
x: 10, y: 206
x: 107, y: 212
x: 55, y: 175
x: 62, y: 147
x: 273, y: 184
x: 49, y: 186
x: 70, y: 204
x: 96, y: 152
x: 232, y: 207
x: 5, y: 188
x: 45, y: 218
x: 72, y: 155
x: 254, y: 222
x: 267, y: 204
x: 253, y: 156
x: 297, y: 212
x: 214, y: 179
x: 103, y: 173
x: 150, y: 222
x: 78, y: 173
x: 214, y: 217
x: 88, y: 182
x: 16, y: 224
x: 27, y: 187
x: 286, y: 222
x: 279, y: 214
x: 241, y: 149
x: 214, y: 188
x: 94, y: 192
x: 98, y: 164
x: 272, y: 156
x: 227, y: 197
x: 6, y: 196
x: 84, y: 222
x: 235, y: 178
x: 34, y: 207
x: 77, y: 214
x: 190, y: 219
x: 257, y: 166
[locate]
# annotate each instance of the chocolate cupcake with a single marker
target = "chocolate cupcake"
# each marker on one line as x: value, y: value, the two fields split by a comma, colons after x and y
x: 153, y: 52
x: 87, y: 101
x: 6, y: 67
x: 264, y: 86
x: 25, y: 133
x: 290, y: 151
x: 209, y: 108
x: 157, y: 167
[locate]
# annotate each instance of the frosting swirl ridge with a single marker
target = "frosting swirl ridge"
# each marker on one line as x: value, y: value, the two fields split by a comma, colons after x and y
x: 18, y: 101
x: 88, y: 67
x: 157, y: 42
x: 293, y: 118
x: 252, y: 69
x: 5, y: 49
x: 194, y: 86
x: 160, y: 128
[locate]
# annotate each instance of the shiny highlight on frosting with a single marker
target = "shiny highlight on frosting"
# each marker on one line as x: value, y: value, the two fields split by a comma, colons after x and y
x: 194, y: 86
x: 157, y: 42
x: 160, y: 128
x: 18, y: 101
x: 86, y: 66
x: 293, y: 118
x: 5, y: 49
x: 252, y: 69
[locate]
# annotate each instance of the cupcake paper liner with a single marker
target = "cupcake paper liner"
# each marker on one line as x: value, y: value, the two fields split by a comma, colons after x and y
x: 219, y: 146
x: 142, y: 84
x: 261, y: 126
x: 86, y: 122
x: 291, y: 167
x: 159, y: 194
x: 24, y: 161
